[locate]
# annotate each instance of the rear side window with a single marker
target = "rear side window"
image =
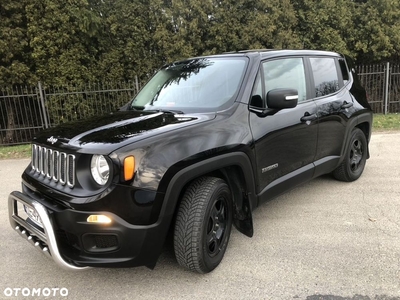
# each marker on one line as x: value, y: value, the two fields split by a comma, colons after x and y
x: 325, y: 76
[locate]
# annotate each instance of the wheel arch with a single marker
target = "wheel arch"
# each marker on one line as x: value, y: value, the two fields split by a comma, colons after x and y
x: 366, y: 129
x: 235, y: 168
x: 363, y: 122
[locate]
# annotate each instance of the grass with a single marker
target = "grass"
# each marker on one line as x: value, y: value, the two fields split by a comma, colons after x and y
x: 15, y: 152
x: 390, y: 122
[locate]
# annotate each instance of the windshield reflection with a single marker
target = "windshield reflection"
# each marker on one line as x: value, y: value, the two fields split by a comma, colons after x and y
x: 205, y: 83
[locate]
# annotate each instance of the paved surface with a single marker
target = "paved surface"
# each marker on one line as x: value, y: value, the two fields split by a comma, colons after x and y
x: 323, y: 240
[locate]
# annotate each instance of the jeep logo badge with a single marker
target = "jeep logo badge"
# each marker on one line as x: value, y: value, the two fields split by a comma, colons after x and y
x: 52, y: 140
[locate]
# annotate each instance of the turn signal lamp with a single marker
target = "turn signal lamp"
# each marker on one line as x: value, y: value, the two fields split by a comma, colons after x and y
x: 100, y: 219
x: 129, y: 167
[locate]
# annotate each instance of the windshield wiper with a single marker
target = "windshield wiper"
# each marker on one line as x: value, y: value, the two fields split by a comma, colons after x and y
x: 142, y: 108
x: 134, y: 107
x: 170, y: 111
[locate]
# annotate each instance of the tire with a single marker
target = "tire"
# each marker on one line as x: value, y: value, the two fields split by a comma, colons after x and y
x: 355, y: 158
x: 203, y: 224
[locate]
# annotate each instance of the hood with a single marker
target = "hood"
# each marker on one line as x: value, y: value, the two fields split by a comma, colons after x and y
x: 104, y: 134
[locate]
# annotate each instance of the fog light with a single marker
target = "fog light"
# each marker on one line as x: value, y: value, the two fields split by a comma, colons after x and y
x: 102, y: 219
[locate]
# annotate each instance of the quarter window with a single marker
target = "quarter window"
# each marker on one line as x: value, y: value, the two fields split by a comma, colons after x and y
x: 345, y: 71
x: 257, y: 100
x: 285, y: 73
x: 325, y: 76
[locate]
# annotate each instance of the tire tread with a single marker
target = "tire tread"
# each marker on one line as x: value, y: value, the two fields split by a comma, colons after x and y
x: 187, y: 234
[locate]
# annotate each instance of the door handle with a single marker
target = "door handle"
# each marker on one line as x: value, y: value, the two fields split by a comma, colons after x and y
x: 308, y: 117
x: 346, y: 104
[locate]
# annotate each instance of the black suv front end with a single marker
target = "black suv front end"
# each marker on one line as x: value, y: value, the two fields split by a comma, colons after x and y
x: 88, y: 231
x: 85, y: 209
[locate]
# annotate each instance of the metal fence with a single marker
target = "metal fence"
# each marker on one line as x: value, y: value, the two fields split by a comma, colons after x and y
x: 26, y: 110
x: 21, y: 114
x: 70, y: 103
x: 382, y: 83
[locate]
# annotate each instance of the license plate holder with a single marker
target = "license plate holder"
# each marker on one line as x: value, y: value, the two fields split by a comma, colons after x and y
x: 31, y: 214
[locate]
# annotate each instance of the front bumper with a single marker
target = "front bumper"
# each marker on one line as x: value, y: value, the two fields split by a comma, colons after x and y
x: 118, y: 244
x: 43, y: 239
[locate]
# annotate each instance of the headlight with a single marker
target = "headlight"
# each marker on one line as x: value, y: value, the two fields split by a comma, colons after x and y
x: 100, y: 169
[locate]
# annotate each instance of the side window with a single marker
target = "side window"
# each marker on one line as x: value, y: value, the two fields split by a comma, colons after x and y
x: 325, y: 76
x: 285, y: 73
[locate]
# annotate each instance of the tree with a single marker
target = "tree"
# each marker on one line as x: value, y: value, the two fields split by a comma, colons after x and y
x: 377, y: 32
x: 325, y: 24
x: 15, y: 65
x: 77, y: 41
x: 245, y: 24
x: 63, y: 36
x: 136, y: 40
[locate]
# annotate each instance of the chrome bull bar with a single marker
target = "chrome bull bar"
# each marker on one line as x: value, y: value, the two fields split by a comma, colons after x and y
x: 45, y: 239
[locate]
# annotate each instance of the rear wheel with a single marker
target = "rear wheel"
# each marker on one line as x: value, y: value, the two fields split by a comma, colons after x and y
x: 203, y: 224
x: 354, y: 162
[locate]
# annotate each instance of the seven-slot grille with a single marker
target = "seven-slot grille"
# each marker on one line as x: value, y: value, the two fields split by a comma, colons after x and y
x: 55, y: 165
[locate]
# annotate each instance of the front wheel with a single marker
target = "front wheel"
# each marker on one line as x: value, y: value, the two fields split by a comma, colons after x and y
x: 203, y: 224
x: 354, y: 162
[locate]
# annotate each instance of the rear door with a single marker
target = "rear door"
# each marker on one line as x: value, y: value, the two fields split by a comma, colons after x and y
x: 335, y: 106
x: 285, y: 143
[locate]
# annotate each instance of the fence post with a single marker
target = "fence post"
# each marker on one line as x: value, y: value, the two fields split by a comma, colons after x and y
x: 46, y: 124
x: 386, y: 87
x: 137, y: 84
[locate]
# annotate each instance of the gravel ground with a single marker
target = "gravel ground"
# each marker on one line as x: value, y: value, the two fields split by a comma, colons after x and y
x: 323, y: 240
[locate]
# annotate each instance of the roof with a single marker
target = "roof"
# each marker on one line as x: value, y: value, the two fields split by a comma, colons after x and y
x: 283, y: 52
x: 271, y: 53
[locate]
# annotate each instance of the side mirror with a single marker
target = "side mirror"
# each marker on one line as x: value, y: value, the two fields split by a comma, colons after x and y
x: 282, y: 98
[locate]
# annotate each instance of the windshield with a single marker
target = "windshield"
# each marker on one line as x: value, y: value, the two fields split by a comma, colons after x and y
x: 202, y: 84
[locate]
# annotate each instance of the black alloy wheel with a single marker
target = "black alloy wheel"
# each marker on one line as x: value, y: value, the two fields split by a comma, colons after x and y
x: 356, y: 155
x: 216, y: 227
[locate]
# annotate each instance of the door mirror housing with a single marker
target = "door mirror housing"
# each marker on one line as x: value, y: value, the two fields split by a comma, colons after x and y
x: 282, y: 98
x: 277, y: 99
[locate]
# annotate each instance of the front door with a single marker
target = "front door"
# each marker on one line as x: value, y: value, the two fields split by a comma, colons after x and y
x: 285, y: 143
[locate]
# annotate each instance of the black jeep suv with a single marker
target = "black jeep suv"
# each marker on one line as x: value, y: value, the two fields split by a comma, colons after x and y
x: 205, y: 142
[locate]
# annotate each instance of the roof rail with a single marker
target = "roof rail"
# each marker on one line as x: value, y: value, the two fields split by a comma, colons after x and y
x: 256, y: 50
x: 248, y: 50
